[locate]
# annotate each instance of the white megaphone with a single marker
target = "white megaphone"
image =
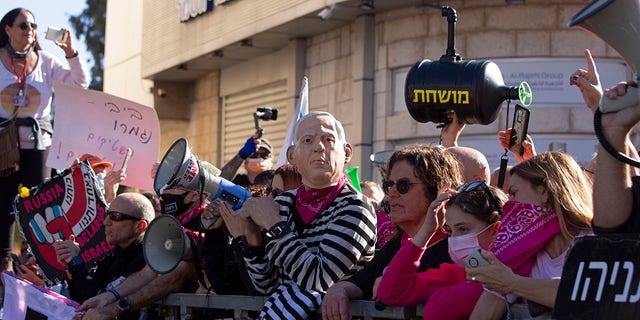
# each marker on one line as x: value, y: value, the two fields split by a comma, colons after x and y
x: 165, y: 244
x: 180, y: 168
x: 616, y: 22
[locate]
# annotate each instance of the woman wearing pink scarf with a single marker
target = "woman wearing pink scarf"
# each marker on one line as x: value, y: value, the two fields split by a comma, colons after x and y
x: 550, y: 204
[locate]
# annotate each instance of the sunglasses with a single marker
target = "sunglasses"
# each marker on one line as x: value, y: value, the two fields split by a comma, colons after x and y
x: 26, y: 24
x: 119, y: 216
x: 402, y: 185
x: 263, y: 155
x: 473, y: 185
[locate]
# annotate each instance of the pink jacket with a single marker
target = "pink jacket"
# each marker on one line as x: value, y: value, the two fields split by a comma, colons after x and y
x: 445, y: 291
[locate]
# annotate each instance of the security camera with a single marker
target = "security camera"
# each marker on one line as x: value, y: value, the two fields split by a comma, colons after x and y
x: 325, y: 13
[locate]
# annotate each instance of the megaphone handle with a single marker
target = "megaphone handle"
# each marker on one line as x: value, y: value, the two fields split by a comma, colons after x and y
x: 630, y: 99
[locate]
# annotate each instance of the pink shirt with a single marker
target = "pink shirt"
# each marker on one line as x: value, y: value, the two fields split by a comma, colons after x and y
x: 445, y: 291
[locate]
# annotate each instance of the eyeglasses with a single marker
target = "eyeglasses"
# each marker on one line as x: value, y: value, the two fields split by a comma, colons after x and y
x: 473, y: 185
x: 263, y: 155
x: 119, y: 216
x: 26, y: 24
x: 402, y: 185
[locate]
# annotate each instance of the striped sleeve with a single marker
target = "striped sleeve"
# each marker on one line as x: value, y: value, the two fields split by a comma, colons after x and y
x: 262, y: 273
x: 330, y: 248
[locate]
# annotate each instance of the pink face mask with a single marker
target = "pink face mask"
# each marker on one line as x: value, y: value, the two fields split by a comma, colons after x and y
x: 460, y: 247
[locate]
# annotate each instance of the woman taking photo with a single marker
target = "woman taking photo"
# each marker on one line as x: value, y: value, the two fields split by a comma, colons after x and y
x: 26, y: 86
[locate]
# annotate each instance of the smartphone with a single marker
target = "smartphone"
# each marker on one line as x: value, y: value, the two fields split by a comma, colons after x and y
x: 56, y: 34
x: 475, y: 259
x: 127, y: 156
x: 519, y: 129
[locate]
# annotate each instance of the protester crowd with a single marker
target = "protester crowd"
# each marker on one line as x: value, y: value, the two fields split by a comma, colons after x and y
x: 311, y: 242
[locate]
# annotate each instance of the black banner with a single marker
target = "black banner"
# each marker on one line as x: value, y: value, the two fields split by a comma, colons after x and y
x: 600, y: 280
x: 68, y: 204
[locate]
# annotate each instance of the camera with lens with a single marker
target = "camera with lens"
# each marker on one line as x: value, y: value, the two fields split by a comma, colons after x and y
x: 266, y: 114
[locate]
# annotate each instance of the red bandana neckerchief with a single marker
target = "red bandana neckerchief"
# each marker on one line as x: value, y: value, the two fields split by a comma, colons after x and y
x: 310, y: 203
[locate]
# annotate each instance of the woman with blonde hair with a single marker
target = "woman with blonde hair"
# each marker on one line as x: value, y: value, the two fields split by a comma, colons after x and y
x: 550, y: 204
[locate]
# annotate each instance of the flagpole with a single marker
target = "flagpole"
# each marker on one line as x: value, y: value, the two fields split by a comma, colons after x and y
x: 302, y: 108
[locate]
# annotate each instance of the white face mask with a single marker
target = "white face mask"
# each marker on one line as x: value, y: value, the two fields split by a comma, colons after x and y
x: 460, y: 247
x: 257, y: 164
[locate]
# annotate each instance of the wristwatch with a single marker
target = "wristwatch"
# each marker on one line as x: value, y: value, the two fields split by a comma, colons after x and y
x: 278, y: 230
x: 124, y: 304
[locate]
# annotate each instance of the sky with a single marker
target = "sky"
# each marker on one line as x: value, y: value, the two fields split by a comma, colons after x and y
x: 52, y: 13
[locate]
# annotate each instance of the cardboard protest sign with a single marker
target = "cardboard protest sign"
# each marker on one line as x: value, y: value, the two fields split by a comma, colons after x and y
x: 599, y: 280
x: 104, y: 125
x: 68, y: 204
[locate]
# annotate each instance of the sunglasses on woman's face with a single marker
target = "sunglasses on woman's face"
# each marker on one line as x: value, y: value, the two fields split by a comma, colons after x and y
x: 119, y: 216
x: 26, y: 24
x: 402, y: 185
x: 473, y: 185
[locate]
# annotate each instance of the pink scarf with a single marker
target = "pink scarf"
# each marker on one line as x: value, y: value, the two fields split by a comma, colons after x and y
x: 310, y: 203
x: 186, y: 217
x: 525, y: 230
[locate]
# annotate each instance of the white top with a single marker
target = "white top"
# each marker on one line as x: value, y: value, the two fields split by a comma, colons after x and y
x: 38, y: 89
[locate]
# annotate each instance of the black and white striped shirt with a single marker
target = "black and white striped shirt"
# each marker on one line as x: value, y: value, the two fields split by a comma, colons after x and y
x: 303, y: 264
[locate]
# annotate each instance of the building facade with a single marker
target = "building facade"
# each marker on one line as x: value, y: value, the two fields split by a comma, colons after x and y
x: 206, y: 69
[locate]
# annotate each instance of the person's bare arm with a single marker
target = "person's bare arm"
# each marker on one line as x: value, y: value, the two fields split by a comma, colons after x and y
x: 161, y: 286
x: 612, y: 194
x: 146, y: 293
x: 128, y: 286
x: 489, y: 307
x: 335, y: 304
x: 451, y: 131
x: 230, y: 168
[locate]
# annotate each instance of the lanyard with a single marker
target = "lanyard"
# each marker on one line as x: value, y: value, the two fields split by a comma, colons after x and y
x: 21, y: 79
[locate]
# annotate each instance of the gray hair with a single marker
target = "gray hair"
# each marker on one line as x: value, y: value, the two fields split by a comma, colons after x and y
x: 336, y: 124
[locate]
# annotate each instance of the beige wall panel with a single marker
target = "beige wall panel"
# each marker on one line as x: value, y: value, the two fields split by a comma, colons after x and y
x: 167, y: 42
x: 122, y: 73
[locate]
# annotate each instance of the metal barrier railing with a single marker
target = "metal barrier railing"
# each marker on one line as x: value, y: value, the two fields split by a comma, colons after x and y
x: 178, y: 306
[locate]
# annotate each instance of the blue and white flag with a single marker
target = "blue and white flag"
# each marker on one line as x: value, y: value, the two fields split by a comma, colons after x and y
x: 302, y: 108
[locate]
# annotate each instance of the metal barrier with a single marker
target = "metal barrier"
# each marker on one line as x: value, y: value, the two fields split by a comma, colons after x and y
x: 178, y: 306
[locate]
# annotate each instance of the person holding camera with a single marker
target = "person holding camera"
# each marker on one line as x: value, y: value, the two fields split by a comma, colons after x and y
x: 26, y: 83
x: 256, y: 154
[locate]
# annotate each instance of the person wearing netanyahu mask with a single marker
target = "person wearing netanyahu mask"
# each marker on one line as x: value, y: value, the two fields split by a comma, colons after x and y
x: 472, y: 219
